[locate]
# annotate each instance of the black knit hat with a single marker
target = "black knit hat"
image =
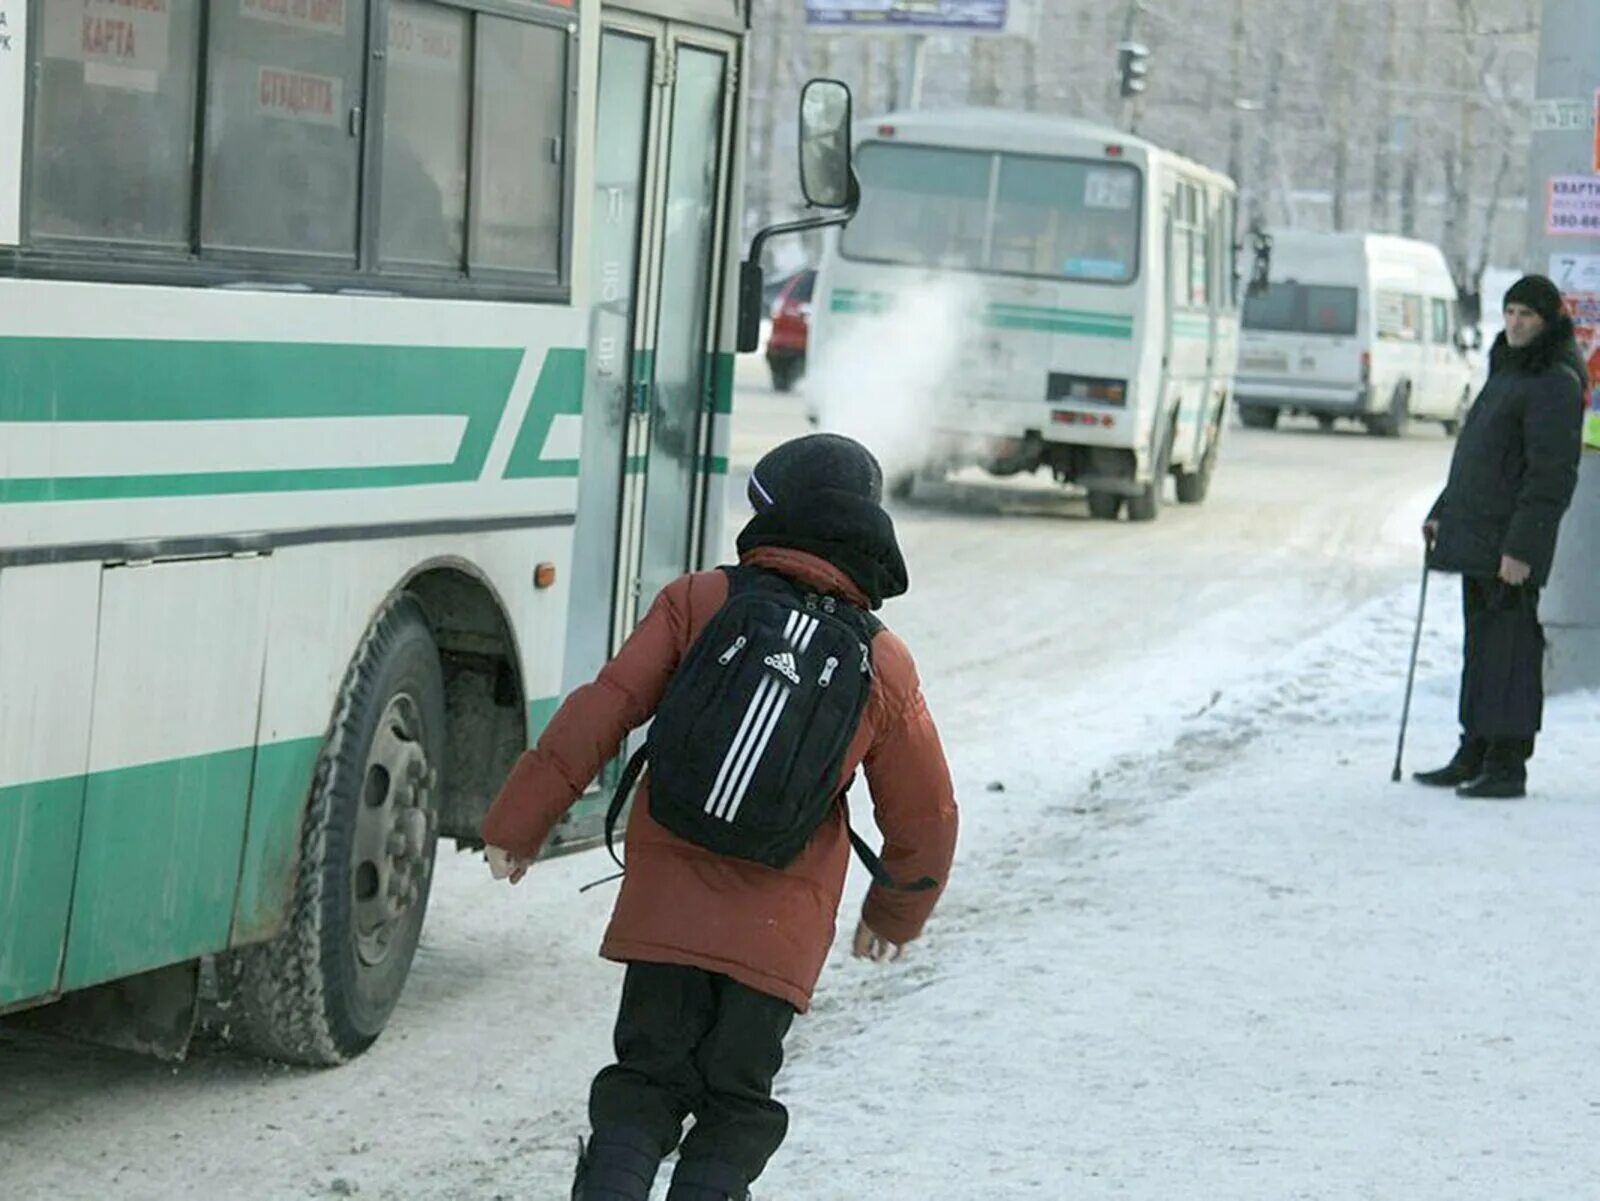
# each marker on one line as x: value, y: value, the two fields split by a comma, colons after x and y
x: 1538, y: 293
x: 823, y: 494
x: 795, y: 471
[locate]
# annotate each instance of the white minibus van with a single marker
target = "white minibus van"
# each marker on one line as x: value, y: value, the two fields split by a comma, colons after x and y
x: 1359, y: 326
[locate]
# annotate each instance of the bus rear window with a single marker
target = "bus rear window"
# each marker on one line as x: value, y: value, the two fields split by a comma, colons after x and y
x: 1014, y: 214
x: 1303, y: 309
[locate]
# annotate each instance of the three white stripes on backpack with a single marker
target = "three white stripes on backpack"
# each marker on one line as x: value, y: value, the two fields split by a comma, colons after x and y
x: 755, y: 731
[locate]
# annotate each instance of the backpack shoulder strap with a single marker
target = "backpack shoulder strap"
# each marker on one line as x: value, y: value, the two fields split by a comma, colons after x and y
x: 880, y: 874
x: 625, y: 786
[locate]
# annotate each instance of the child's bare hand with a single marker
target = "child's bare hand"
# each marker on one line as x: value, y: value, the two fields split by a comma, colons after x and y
x: 871, y: 945
x: 503, y: 865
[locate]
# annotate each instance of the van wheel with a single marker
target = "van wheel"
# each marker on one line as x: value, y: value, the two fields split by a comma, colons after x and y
x: 1193, y: 485
x: 1452, y: 425
x: 322, y: 991
x: 1258, y: 417
x: 1324, y: 422
x: 1104, y: 506
x: 1397, y: 420
x: 902, y: 485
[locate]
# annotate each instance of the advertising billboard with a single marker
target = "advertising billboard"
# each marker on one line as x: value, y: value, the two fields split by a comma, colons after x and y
x: 909, y: 16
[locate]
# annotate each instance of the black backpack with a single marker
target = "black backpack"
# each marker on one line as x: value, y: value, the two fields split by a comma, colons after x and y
x: 750, y: 737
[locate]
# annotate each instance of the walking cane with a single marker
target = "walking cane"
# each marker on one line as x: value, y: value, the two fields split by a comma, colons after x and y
x: 1411, y: 673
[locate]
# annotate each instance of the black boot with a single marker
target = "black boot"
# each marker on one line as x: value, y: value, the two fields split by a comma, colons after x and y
x: 707, y: 1180
x: 1466, y: 765
x: 619, y: 1164
x: 1505, y: 772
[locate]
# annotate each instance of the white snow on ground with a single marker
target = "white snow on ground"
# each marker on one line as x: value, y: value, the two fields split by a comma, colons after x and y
x: 1239, y: 963
x: 1242, y: 965
x: 1198, y: 948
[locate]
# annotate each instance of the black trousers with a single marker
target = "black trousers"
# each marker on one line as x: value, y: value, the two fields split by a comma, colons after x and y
x: 693, y: 1042
x: 1502, y: 672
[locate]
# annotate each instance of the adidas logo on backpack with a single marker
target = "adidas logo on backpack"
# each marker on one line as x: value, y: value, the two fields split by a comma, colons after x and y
x: 783, y: 664
x: 747, y: 749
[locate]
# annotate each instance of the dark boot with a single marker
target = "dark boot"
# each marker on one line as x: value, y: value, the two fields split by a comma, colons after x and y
x: 619, y: 1164
x: 1505, y: 773
x: 1465, y: 766
x: 707, y: 1180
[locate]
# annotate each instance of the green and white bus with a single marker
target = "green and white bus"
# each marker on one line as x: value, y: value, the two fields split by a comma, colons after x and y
x: 1100, y: 322
x: 364, y: 364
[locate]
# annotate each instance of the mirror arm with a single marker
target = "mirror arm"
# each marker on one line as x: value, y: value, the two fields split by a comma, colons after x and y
x: 840, y: 217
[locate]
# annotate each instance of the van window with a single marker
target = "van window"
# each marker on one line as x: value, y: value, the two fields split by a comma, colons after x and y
x: 1441, y: 321
x: 1399, y: 317
x: 1303, y: 309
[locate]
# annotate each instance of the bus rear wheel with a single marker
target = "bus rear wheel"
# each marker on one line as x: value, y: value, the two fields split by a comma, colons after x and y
x: 322, y: 991
x: 1104, y: 506
x: 1194, y: 485
x: 1258, y: 417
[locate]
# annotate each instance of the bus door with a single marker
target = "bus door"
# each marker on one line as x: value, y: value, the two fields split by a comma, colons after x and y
x: 658, y: 228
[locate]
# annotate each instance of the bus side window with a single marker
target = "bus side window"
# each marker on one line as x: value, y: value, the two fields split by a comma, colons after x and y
x: 520, y: 121
x: 113, y: 123
x: 427, y: 114
x: 283, y: 145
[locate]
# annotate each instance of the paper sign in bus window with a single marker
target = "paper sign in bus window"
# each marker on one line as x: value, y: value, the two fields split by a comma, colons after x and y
x: 299, y: 96
x: 419, y: 40
x: 324, y: 16
x: 1108, y: 189
x: 129, y: 34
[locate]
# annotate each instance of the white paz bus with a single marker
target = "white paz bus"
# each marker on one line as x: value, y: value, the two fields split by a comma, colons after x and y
x: 365, y: 366
x: 1100, y: 326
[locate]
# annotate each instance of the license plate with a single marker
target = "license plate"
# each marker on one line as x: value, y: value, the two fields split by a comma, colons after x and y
x: 1264, y: 362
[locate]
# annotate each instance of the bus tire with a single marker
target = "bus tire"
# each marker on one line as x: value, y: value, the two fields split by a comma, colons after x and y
x: 1104, y: 506
x: 1258, y: 417
x: 322, y: 991
x: 1193, y: 485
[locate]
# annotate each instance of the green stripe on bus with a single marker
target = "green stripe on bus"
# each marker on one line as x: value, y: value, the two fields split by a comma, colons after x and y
x: 38, y: 846
x: 540, y: 711
x: 722, y: 374
x: 559, y: 393
x: 278, y: 793
x: 1032, y: 318
x: 158, y: 865
x: 71, y: 380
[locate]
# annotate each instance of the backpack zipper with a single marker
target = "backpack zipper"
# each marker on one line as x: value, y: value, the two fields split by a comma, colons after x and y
x: 828, y: 670
x: 738, y: 645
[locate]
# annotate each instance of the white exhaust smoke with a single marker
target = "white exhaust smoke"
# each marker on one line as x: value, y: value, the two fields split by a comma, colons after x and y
x: 881, y: 378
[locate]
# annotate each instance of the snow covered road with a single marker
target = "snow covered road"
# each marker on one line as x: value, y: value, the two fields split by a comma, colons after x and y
x: 1196, y: 945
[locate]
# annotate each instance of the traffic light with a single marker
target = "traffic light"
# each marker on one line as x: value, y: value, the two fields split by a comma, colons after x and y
x: 1133, y: 64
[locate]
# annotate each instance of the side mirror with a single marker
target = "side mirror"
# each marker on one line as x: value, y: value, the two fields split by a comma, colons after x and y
x: 825, y: 143
x: 828, y: 180
x: 1261, y: 270
x: 1468, y: 338
x: 752, y: 303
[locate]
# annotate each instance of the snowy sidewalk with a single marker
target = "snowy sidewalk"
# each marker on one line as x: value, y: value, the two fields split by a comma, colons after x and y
x: 1198, y: 949
x: 1240, y: 965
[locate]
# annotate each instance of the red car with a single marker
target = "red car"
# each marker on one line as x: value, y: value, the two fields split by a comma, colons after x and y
x: 791, y: 324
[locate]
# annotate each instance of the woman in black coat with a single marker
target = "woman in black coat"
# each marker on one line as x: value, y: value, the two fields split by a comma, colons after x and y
x: 1495, y: 523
